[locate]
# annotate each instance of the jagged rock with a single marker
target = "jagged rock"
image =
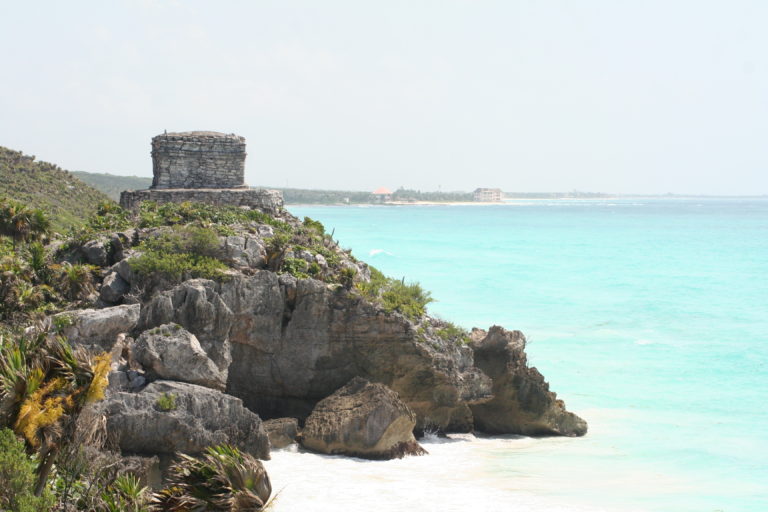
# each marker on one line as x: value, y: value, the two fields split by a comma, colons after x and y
x: 118, y: 381
x: 113, y: 288
x: 171, y: 352
x: 282, y: 432
x: 294, y: 342
x: 202, y: 417
x: 123, y: 268
x: 100, y: 326
x: 363, y: 420
x: 197, y: 307
x: 522, y: 402
x: 244, y: 251
x: 95, y: 252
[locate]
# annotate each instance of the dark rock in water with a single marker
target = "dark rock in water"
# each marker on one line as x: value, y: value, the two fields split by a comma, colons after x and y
x: 173, y: 353
x: 522, y: 402
x: 363, y: 420
x: 196, y: 418
x: 282, y: 432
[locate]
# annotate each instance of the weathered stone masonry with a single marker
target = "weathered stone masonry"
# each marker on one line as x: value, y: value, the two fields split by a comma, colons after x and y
x: 202, y: 167
x: 198, y: 160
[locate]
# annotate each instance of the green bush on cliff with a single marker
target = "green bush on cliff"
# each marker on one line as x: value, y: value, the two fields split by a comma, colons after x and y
x: 452, y: 332
x: 395, y: 295
x: 297, y: 267
x: 17, y: 477
x: 184, y: 252
x: 152, y: 214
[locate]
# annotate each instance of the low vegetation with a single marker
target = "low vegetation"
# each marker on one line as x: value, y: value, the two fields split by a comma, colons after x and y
x: 66, y: 200
x: 184, y: 252
x: 223, y: 478
x: 408, y: 299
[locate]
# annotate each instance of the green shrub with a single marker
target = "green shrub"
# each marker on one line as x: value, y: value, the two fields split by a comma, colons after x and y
x: 408, y: 299
x: 196, y: 240
x: 315, y: 225
x: 297, y: 267
x: 453, y: 332
x: 152, y: 214
x: 17, y: 477
x: 177, y: 266
x: 166, y: 402
x: 184, y: 252
x: 395, y: 295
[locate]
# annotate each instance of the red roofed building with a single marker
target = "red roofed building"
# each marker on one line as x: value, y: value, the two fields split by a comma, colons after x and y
x: 382, y: 195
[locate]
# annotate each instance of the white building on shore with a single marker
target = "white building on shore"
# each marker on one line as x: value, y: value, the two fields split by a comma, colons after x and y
x: 488, y: 195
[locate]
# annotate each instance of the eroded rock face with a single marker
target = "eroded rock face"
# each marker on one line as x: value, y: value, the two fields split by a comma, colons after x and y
x: 282, y: 432
x: 201, y: 417
x: 100, y: 327
x: 294, y: 342
x: 522, y: 402
x: 363, y: 420
x: 173, y: 353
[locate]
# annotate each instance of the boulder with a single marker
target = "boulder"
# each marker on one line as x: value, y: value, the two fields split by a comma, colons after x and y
x: 522, y: 402
x: 100, y: 327
x: 362, y: 419
x: 171, y: 352
x: 282, y: 432
x: 244, y: 251
x: 199, y: 417
x: 95, y: 252
x: 113, y: 288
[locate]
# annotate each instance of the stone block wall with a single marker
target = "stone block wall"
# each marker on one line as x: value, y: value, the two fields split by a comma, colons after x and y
x: 193, y: 160
x: 268, y: 201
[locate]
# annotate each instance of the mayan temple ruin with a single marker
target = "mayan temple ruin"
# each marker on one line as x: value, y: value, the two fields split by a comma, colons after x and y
x: 201, y: 167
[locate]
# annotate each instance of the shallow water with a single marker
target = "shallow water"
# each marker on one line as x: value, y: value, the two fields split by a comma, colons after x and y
x: 648, y: 317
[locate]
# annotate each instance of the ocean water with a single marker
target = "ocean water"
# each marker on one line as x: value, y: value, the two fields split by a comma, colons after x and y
x: 648, y: 317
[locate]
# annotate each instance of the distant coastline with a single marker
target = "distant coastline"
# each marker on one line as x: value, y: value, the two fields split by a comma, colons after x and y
x: 111, y: 185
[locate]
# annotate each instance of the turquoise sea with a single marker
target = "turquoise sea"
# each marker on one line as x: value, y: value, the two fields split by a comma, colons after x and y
x: 648, y: 317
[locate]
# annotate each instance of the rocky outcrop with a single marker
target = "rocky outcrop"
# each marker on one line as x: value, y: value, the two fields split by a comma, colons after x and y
x: 363, y: 420
x: 171, y: 352
x: 296, y: 341
x: 168, y: 417
x: 244, y: 252
x: 282, y: 432
x: 522, y: 402
x: 113, y: 288
x: 100, y: 327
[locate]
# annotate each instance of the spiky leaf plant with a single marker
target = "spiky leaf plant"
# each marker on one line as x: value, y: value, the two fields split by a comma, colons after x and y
x: 223, y: 478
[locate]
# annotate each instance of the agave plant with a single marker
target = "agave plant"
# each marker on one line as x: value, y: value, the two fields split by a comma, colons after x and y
x: 223, y: 478
x: 44, y: 384
x: 125, y: 494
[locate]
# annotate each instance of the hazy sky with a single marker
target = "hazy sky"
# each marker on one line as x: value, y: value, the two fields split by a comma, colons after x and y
x: 610, y: 96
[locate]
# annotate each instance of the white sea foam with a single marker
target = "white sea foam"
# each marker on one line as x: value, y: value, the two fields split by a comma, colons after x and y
x: 376, y: 252
x: 459, y: 474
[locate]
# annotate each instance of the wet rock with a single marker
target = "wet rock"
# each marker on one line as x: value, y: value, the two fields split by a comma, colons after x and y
x: 363, y: 420
x: 522, y: 402
x: 282, y: 432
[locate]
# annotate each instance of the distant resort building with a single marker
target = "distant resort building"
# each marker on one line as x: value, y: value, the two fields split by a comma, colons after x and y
x: 488, y: 195
x: 381, y: 195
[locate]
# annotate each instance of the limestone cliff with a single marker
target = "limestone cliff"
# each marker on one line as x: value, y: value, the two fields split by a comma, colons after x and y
x: 283, y: 342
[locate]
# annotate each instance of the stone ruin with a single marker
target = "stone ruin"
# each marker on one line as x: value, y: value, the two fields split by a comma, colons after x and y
x: 202, y: 167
